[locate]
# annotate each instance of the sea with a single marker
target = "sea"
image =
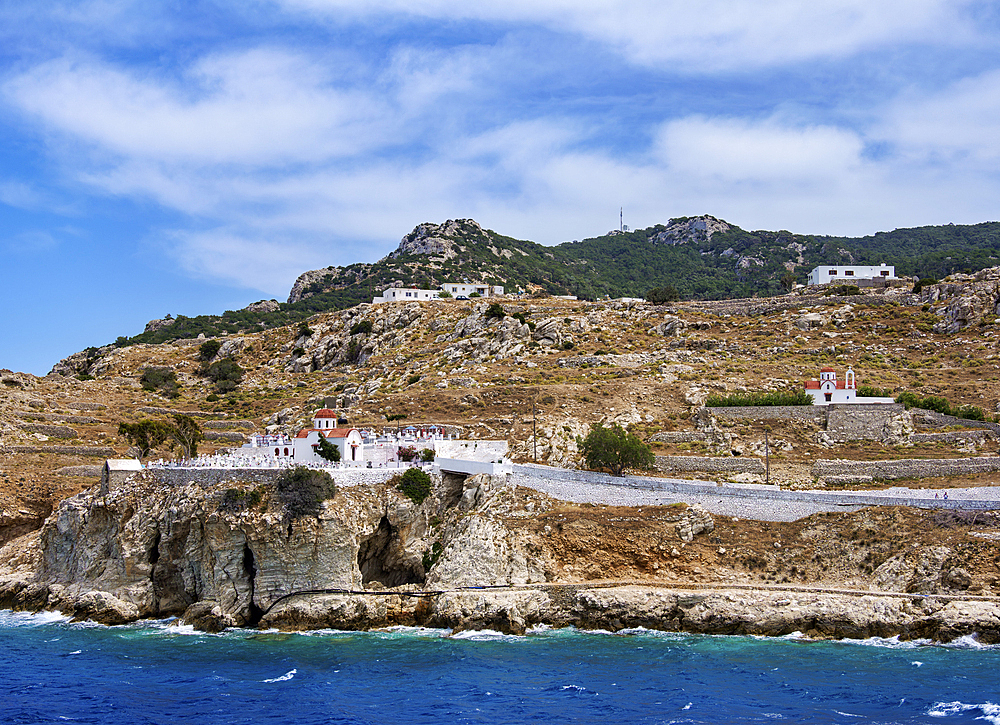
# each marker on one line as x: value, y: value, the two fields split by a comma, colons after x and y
x: 56, y: 671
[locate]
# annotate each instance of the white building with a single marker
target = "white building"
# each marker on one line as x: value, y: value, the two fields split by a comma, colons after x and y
x: 455, y: 289
x: 824, y: 274
x: 406, y: 294
x: 829, y: 390
x: 349, y: 440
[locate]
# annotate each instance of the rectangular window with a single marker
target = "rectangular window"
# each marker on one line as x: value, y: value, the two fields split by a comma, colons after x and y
x: 848, y: 272
x: 407, y: 294
x: 833, y: 273
x: 885, y: 274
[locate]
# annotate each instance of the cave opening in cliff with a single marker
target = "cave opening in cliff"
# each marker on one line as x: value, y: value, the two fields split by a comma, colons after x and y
x: 381, y: 558
x: 154, y: 550
x: 250, y: 570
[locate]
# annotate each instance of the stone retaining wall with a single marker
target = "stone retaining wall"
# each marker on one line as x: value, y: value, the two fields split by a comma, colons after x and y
x: 75, y: 419
x: 86, y: 451
x: 939, y: 420
x: 814, y: 413
x: 170, y: 411
x: 860, y: 421
x: 228, y: 424
x: 671, y: 464
x: 229, y: 436
x: 214, y: 476
x: 956, y: 436
x: 679, y: 436
x: 53, y: 431
x: 906, y: 468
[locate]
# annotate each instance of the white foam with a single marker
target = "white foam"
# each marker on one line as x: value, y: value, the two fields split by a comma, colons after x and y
x: 284, y: 678
x: 847, y: 714
x: 484, y: 635
x: 969, y: 641
x: 32, y: 619
x: 888, y: 642
x: 990, y: 711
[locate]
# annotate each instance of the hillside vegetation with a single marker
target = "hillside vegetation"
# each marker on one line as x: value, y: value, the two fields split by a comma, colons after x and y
x: 703, y: 258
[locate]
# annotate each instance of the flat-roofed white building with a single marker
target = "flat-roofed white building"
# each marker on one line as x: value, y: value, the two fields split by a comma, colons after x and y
x: 455, y: 289
x: 851, y: 273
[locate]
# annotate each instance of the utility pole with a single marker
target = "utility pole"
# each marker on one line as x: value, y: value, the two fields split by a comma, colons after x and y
x: 534, y: 433
x: 767, y: 458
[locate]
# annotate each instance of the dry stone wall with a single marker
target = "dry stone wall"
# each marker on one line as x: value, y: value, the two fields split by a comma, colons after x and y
x: 677, y: 464
x: 861, y: 421
x: 906, y: 468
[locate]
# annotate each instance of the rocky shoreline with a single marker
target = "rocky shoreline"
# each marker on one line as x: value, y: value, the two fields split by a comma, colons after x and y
x: 477, y: 554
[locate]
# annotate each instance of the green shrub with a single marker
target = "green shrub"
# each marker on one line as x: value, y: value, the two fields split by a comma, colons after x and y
x: 413, y: 379
x: 302, y: 491
x: 427, y: 455
x: 474, y: 295
x: 212, y: 397
x: 495, y: 311
x: 568, y: 345
x: 663, y: 295
x: 304, y: 329
x: 614, y: 449
x: 162, y: 380
x: 445, y: 295
x: 226, y: 374
x: 208, y: 349
x: 415, y: 485
x: 431, y: 556
x: 843, y: 290
x: 235, y: 500
x: 81, y: 376
x: 867, y: 391
x: 940, y: 405
x: 361, y: 328
x: 923, y: 282
x: 735, y: 400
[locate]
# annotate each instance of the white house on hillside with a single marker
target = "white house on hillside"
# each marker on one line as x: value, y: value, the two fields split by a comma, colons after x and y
x: 829, y: 390
x: 824, y: 274
x: 455, y: 289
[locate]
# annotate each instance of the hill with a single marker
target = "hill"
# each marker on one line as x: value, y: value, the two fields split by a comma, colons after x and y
x: 704, y: 258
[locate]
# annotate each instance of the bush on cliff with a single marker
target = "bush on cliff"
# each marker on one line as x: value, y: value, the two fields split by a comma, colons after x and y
x: 415, y: 484
x: 614, y: 449
x: 162, y: 380
x: 302, y: 491
x: 226, y: 374
x: 208, y: 349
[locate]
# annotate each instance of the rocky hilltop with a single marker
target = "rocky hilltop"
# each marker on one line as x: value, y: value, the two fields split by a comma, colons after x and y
x: 703, y: 257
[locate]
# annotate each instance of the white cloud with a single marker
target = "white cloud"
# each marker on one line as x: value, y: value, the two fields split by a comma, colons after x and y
x: 707, y: 35
x: 258, y: 107
x: 959, y: 124
x: 739, y: 150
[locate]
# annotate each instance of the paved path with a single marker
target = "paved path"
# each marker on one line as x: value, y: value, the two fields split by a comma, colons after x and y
x: 749, y: 502
x: 744, y: 508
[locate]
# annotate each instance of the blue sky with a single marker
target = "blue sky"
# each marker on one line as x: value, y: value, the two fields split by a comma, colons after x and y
x: 193, y: 157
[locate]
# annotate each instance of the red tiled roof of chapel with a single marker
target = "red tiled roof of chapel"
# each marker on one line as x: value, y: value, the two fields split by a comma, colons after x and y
x: 325, y: 413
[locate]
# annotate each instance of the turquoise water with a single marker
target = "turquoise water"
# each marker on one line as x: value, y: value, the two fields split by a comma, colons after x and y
x: 57, y: 672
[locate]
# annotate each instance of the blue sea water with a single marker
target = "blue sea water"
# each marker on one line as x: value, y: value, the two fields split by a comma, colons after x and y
x: 54, y: 671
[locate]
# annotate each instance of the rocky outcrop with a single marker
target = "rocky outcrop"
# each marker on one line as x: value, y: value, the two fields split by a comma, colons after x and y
x: 970, y: 298
x: 154, y: 325
x: 442, y: 241
x: 692, y: 229
x: 306, y: 282
x: 263, y: 306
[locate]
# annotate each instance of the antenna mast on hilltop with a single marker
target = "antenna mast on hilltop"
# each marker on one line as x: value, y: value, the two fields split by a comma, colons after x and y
x: 621, y: 219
